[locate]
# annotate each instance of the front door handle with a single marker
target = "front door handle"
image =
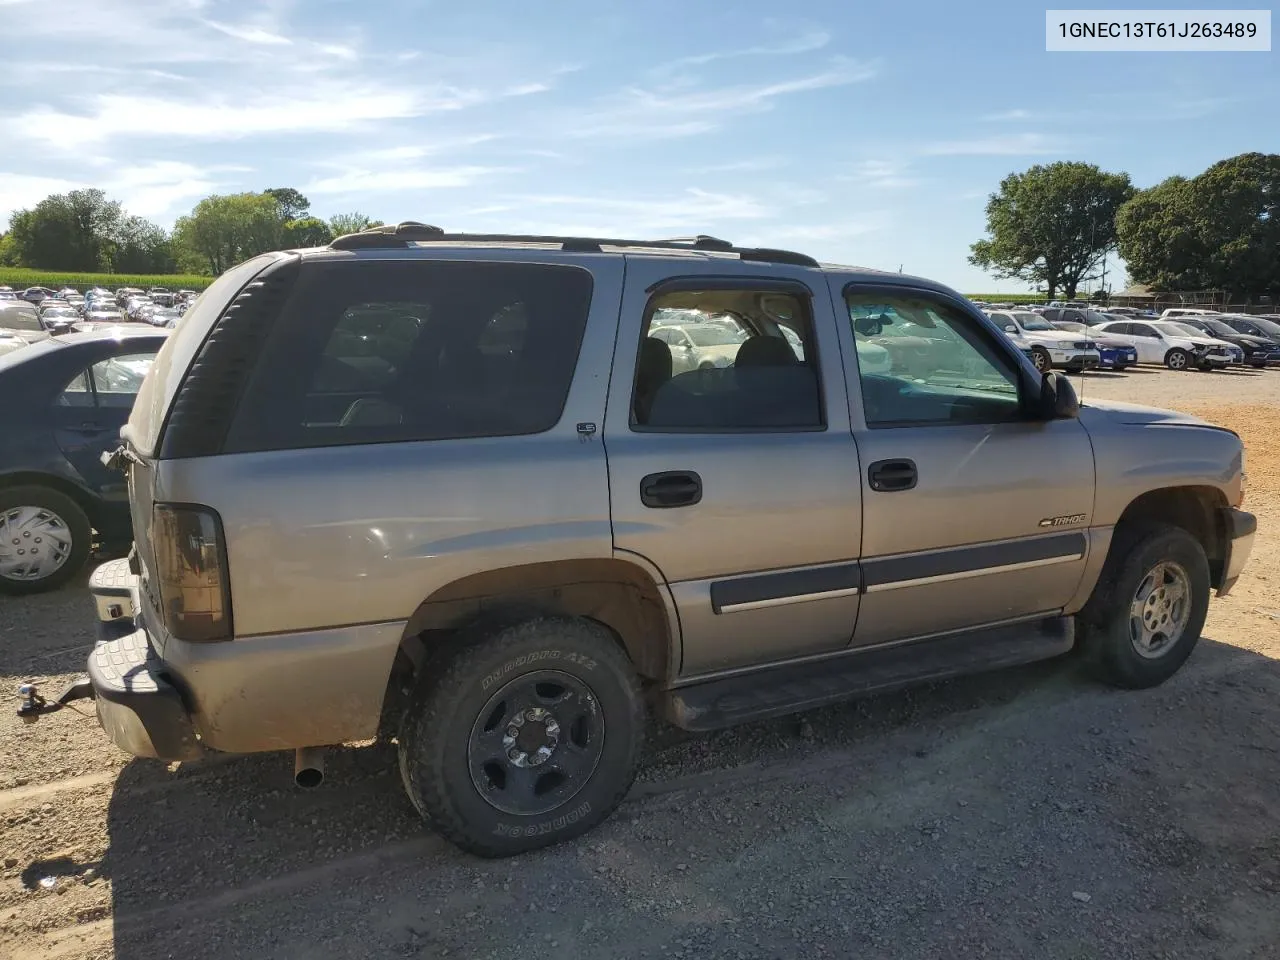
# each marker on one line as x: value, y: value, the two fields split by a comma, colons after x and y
x: 890, y: 476
x: 673, y: 488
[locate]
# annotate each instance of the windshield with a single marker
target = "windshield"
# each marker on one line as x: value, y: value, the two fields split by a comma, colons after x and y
x: 1032, y: 321
x: 1179, y: 329
x: 712, y: 336
x: 1269, y: 327
x: 19, y: 320
x: 1218, y: 328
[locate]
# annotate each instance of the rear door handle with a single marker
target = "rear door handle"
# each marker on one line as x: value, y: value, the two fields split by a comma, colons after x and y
x: 890, y: 476
x: 673, y: 488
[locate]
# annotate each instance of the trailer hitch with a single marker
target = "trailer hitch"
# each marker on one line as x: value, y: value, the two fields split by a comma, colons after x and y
x: 35, y: 706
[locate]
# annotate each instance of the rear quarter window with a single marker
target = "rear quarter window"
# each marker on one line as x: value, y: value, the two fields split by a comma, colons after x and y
x: 404, y: 350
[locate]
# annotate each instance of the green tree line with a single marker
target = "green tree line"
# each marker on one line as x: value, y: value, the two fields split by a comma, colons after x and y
x: 84, y: 231
x: 1051, y: 226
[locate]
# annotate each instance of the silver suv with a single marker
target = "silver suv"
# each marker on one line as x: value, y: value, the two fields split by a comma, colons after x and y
x: 449, y: 490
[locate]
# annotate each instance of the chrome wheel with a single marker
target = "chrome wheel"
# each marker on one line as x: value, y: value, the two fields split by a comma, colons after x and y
x: 1160, y: 609
x: 1177, y: 360
x: 34, y: 543
x: 1040, y: 359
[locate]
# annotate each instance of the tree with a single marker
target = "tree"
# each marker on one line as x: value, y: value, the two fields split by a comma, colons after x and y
x: 70, y: 231
x: 293, y: 205
x: 341, y: 223
x: 8, y: 252
x: 306, y: 232
x: 1052, y: 225
x: 1219, y: 230
x: 139, y: 246
x: 228, y: 229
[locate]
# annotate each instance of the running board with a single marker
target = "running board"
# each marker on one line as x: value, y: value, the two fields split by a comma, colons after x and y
x: 776, y: 691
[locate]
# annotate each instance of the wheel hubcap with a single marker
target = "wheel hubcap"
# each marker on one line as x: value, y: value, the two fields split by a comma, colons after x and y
x: 1177, y: 361
x: 1039, y: 361
x: 1160, y: 610
x: 34, y: 543
x: 536, y: 743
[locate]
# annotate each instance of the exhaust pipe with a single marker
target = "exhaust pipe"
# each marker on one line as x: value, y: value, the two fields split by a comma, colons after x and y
x: 308, y: 767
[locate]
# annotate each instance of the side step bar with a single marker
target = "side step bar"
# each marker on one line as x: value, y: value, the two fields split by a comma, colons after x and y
x: 777, y: 691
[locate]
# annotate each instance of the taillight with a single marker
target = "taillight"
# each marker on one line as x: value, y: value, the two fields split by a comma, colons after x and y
x: 191, y: 572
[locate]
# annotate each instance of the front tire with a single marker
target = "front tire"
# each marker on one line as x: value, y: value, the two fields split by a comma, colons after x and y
x: 1177, y: 359
x: 44, y: 539
x: 527, y: 737
x: 1041, y: 359
x: 1147, y: 611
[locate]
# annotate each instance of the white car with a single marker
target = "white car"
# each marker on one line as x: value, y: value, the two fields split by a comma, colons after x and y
x: 1177, y: 346
x: 1173, y: 313
x: 1049, y: 346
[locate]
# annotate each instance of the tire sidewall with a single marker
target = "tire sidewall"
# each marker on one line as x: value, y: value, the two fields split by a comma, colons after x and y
x: 77, y: 524
x: 1113, y: 652
x: 589, y: 655
x: 1170, y: 362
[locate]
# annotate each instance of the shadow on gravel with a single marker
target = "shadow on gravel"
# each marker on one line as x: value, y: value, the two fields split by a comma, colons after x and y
x: 224, y: 840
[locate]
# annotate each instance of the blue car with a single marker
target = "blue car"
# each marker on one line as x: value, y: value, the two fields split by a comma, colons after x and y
x: 64, y: 400
x: 1112, y: 354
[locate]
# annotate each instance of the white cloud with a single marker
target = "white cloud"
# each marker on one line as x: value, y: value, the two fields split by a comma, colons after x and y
x: 679, y: 112
x: 1011, y: 145
x: 341, y: 51
x: 19, y: 191
x: 880, y: 175
x: 805, y: 43
x: 747, y: 165
x: 688, y: 211
x: 355, y: 183
x: 249, y: 34
x: 1009, y: 116
x: 321, y: 108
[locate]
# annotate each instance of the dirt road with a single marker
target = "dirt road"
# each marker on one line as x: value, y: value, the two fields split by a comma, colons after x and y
x: 1029, y: 813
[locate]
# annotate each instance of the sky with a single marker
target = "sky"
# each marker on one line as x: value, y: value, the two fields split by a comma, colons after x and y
x: 862, y: 134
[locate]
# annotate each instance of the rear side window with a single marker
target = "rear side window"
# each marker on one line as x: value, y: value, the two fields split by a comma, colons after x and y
x: 378, y: 352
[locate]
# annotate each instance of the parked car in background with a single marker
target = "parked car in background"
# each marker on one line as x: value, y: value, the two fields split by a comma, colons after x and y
x: 1173, y: 313
x: 1113, y: 354
x: 1259, y: 351
x: 65, y: 400
x: 37, y: 294
x: 161, y: 316
x: 123, y: 294
x: 1266, y: 327
x: 20, y: 319
x: 1074, y: 315
x: 1171, y: 344
x: 59, y: 319
x: 699, y: 346
x: 1050, y: 347
x: 8, y: 295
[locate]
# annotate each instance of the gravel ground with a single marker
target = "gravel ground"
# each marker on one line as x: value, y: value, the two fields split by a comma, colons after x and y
x: 1025, y: 813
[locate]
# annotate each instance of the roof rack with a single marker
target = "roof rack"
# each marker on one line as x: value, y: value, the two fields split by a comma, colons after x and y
x: 411, y: 231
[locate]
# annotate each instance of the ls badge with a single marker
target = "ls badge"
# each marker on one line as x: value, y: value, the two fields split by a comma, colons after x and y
x: 1067, y: 521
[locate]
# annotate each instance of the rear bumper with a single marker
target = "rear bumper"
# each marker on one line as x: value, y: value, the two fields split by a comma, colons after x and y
x: 139, y: 705
x: 162, y: 697
x: 1240, y: 528
x: 139, y: 708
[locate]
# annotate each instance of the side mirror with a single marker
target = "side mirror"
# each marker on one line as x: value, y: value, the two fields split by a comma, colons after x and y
x: 868, y: 326
x: 1058, y: 400
x: 1010, y: 328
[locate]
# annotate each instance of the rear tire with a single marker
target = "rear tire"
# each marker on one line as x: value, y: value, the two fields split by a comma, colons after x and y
x: 1147, y: 611
x: 1177, y: 359
x: 527, y: 737
x: 44, y: 539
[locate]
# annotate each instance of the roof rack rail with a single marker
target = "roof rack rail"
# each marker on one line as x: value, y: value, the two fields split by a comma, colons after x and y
x: 402, y: 234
